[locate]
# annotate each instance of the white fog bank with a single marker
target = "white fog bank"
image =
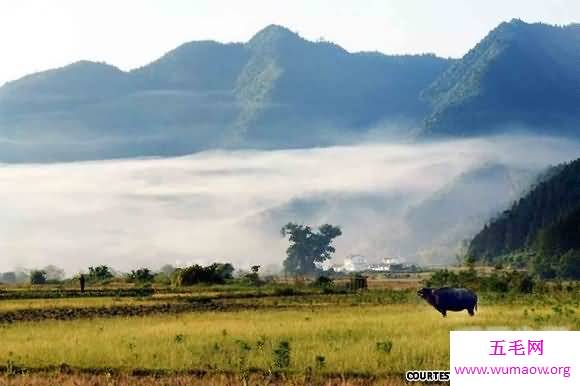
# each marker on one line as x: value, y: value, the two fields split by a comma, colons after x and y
x: 229, y: 206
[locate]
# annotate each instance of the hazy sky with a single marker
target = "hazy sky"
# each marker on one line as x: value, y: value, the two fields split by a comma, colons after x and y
x: 37, y: 34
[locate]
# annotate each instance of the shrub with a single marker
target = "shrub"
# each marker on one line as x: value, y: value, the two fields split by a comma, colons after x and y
x: 142, y: 275
x: 497, y: 281
x: 100, y: 273
x: 569, y: 267
x: 323, y: 282
x: 384, y: 346
x: 37, y: 277
x: 320, y: 361
x: 216, y: 273
x: 253, y: 278
x: 162, y: 278
x: 281, y: 355
x: 284, y: 291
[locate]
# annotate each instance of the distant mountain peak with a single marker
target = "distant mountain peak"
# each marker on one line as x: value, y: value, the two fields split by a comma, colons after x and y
x: 520, y: 75
x: 272, y: 34
x: 275, y: 29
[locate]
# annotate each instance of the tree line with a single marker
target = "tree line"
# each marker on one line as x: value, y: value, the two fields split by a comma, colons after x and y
x: 308, y: 248
x: 540, y: 231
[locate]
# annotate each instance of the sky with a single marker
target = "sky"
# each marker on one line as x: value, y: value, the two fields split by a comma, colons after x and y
x: 36, y: 35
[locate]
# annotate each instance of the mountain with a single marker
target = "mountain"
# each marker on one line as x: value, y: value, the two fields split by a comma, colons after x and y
x: 544, y: 222
x: 297, y: 91
x: 279, y: 90
x: 520, y: 76
x: 441, y: 223
x: 276, y: 90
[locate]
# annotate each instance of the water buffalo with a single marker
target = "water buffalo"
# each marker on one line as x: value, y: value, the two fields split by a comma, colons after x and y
x: 450, y: 299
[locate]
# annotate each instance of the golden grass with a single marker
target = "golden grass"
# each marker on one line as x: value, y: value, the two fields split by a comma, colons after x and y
x: 51, y: 379
x: 345, y: 336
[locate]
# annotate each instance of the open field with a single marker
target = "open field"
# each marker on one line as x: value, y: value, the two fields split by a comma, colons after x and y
x: 56, y: 378
x: 371, y: 337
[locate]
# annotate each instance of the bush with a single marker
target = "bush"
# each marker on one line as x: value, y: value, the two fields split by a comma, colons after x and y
x: 216, y: 273
x: 162, y: 278
x: 323, y: 282
x: 285, y: 291
x: 385, y: 346
x: 100, y: 273
x: 281, y: 355
x: 37, y: 277
x: 497, y: 281
x: 253, y: 278
x: 569, y: 267
x: 142, y: 275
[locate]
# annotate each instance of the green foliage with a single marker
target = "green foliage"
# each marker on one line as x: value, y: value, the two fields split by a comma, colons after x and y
x: 141, y: 275
x: 497, y: 281
x: 37, y: 277
x: 539, y: 229
x: 323, y: 282
x: 281, y: 355
x: 162, y: 278
x: 308, y: 247
x: 479, y: 93
x: 253, y: 278
x: 569, y: 267
x: 273, y: 90
x: 285, y: 291
x: 384, y: 346
x: 216, y: 273
x: 100, y: 273
x: 320, y: 361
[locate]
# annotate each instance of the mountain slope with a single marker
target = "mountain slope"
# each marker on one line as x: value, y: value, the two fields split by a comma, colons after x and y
x: 553, y: 199
x: 277, y: 90
x: 292, y: 87
x: 440, y: 224
x: 520, y: 76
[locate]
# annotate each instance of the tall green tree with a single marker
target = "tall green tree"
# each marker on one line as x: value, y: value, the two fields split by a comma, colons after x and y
x: 37, y: 277
x: 308, y: 246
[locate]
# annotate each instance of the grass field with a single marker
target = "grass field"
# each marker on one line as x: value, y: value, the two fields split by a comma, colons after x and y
x: 371, y: 337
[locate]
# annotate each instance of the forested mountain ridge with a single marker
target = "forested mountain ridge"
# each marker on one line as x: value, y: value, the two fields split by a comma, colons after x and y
x: 520, y: 76
x: 277, y: 90
x: 545, y: 221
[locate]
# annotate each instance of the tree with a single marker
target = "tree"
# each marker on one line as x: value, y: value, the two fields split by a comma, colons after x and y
x: 308, y: 247
x: 37, y: 277
x: 569, y: 265
x: 216, y: 273
x: 100, y: 273
x: 142, y: 275
x: 253, y: 277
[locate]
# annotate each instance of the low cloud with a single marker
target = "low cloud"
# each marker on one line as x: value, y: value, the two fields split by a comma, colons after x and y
x: 229, y: 205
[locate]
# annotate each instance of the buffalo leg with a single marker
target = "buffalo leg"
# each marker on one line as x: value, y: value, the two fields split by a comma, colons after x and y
x: 470, y: 311
x: 443, y: 312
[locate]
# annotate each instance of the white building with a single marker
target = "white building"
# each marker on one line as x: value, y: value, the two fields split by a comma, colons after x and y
x: 355, y: 263
x: 386, y: 265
